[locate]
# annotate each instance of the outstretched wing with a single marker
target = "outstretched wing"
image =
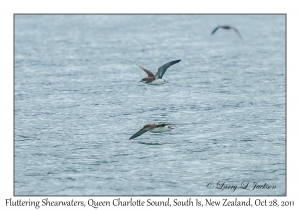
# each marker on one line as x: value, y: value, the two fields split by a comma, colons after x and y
x: 149, y: 73
x: 215, y: 30
x: 140, y: 132
x: 237, y: 32
x: 161, y: 70
x: 162, y: 124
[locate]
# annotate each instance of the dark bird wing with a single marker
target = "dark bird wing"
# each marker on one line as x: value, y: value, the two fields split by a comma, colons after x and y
x: 237, y: 32
x: 140, y: 132
x: 164, y: 124
x: 215, y: 30
x: 161, y: 70
x: 149, y: 73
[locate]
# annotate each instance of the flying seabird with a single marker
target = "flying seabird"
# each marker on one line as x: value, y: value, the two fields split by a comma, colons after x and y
x: 154, y: 128
x: 157, y: 78
x: 227, y: 27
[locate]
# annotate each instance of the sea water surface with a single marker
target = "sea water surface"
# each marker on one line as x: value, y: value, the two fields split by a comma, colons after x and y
x: 77, y: 100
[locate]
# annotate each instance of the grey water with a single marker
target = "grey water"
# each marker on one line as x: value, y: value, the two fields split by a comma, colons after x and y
x: 77, y: 100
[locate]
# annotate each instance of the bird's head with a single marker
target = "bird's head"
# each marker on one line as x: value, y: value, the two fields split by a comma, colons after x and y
x: 144, y: 80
